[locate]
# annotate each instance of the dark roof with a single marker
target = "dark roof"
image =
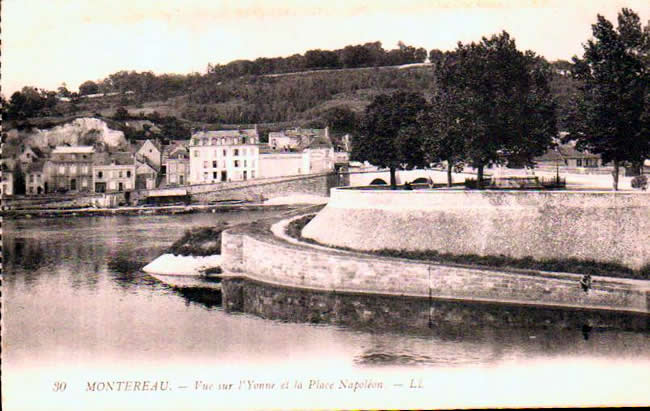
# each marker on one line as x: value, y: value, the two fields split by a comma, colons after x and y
x: 563, y: 152
x: 569, y: 151
x: 36, y: 166
x: 37, y: 151
x: 146, y: 161
x: 120, y: 158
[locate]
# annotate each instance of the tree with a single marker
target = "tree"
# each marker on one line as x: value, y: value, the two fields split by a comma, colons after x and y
x: 63, y: 91
x: 442, y: 131
x: 505, y: 110
x: 608, y: 117
x: 88, y: 87
x: 380, y: 141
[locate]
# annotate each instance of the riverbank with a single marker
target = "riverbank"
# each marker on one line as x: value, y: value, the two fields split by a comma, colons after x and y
x: 147, y: 210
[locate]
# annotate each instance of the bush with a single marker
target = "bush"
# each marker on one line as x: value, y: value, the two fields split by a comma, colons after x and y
x: 294, y: 229
x: 640, y: 182
x: 203, y: 241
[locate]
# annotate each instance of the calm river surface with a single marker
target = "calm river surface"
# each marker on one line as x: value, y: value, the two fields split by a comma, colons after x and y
x: 77, y: 310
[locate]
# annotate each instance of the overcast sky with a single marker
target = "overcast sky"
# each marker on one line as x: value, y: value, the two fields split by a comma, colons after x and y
x: 48, y: 42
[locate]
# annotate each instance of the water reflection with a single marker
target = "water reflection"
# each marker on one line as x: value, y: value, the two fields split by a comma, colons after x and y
x: 74, y: 289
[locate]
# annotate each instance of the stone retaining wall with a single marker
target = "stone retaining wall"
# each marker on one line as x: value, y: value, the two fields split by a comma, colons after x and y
x: 406, y: 313
x: 255, y: 190
x: 603, y: 226
x: 261, y: 257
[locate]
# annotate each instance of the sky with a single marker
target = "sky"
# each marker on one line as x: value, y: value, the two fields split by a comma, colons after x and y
x: 49, y: 42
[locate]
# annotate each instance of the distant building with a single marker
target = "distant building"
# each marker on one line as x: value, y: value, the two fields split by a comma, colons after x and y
x: 114, y: 172
x: 35, y: 181
x: 151, y: 151
x: 568, y: 158
x: 7, y: 182
x: 297, y: 139
x: 299, y: 151
x: 29, y: 154
x: 224, y: 155
x: 69, y: 169
x: 176, y: 163
x: 145, y: 175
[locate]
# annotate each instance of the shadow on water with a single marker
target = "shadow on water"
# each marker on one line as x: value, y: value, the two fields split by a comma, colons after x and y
x: 125, y: 272
x: 206, y: 297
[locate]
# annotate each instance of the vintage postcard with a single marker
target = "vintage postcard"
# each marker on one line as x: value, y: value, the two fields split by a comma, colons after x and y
x: 306, y: 204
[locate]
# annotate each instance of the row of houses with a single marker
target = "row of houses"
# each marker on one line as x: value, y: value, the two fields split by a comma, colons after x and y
x: 81, y: 169
x: 208, y: 157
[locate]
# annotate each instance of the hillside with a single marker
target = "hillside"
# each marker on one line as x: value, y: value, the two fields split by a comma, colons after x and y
x: 311, y: 98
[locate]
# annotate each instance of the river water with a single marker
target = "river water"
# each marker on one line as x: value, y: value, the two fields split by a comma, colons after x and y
x: 77, y: 311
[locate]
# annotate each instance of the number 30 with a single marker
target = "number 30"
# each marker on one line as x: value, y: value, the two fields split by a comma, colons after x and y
x: 59, y: 386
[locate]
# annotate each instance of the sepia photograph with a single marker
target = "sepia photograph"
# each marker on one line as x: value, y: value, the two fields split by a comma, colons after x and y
x: 311, y: 204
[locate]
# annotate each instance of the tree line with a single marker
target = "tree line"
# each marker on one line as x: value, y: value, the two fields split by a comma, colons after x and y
x: 493, y: 105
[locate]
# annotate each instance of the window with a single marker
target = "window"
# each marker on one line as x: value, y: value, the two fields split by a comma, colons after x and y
x: 214, y: 165
x: 61, y: 170
x: 73, y: 170
x: 236, y: 152
x: 579, y: 162
x: 224, y: 164
x: 236, y: 163
x: 205, y: 175
x: 214, y: 154
x: 120, y: 175
x: 84, y: 170
x: 252, y: 173
x: 196, y: 153
x: 100, y: 174
x: 243, y: 152
x: 205, y: 164
x: 84, y: 183
x: 225, y: 152
x: 214, y: 175
x: 128, y: 173
x: 31, y: 178
x: 244, y: 163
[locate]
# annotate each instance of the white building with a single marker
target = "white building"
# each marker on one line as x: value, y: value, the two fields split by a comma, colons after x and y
x: 224, y: 155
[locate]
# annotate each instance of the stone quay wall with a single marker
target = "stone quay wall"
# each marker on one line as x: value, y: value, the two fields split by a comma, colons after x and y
x: 261, y: 257
x: 103, y: 200
x: 254, y: 190
x: 407, y: 313
x: 604, y: 226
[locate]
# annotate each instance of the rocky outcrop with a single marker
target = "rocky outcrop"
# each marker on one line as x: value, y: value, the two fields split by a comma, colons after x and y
x: 75, y: 132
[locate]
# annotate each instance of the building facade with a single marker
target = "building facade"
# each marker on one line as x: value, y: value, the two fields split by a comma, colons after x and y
x: 7, y: 182
x: 69, y: 169
x: 224, y: 155
x: 145, y: 176
x: 114, y: 173
x: 35, y: 181
x: 177, y: 166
